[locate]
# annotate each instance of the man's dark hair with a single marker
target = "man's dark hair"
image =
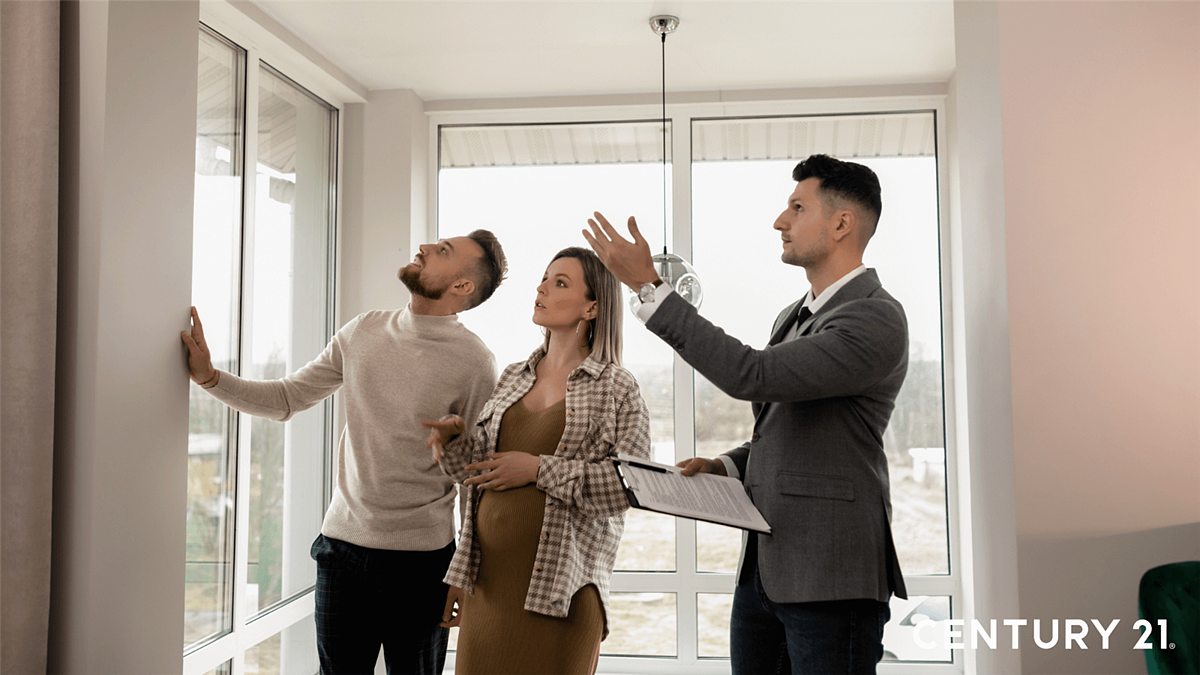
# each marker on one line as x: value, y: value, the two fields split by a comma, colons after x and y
x: 490, y: 269
x: 844, y: 182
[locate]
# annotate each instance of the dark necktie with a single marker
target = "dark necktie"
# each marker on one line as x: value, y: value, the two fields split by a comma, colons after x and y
x: 797, y: 316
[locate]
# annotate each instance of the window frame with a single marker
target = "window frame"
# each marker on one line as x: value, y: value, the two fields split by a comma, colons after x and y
x: 683, y: 582
x: 261, y: 49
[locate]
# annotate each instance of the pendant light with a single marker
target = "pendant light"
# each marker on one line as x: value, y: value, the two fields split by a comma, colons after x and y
x: 674, y: 270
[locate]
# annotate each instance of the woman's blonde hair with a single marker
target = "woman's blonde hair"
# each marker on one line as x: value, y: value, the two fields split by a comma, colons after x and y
x: 604, y: 331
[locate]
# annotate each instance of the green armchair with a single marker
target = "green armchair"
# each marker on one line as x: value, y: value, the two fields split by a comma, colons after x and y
x: 1172, y: 592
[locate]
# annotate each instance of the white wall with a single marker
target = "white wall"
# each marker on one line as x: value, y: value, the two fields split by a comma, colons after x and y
x: 128, y: 155
x: 1100, y: 106
x: 982, y: 388
x: 385, y: 200
x: 384, y: 204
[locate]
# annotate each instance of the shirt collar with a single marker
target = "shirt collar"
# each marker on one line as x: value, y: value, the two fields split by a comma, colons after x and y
x: 814, y: 305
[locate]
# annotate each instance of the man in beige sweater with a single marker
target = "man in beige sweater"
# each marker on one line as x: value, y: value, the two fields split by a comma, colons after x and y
x: 388, y: 535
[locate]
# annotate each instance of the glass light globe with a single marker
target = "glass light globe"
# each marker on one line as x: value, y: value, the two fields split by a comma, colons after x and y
x: 680, y: 275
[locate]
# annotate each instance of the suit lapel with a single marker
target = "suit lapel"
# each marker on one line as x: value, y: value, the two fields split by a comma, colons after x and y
x: 858, y: 287
x: 782, y: 321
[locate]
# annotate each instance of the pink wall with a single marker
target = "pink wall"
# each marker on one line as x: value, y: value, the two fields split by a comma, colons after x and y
x: 1101, y: 138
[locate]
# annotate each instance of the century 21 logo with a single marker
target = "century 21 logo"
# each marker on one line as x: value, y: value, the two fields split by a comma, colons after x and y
x: 961, y: 634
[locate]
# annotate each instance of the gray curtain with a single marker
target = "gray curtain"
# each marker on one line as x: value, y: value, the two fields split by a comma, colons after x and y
x: 29, y: 107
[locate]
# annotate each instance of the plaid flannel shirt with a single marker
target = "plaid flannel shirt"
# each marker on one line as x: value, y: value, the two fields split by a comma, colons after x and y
x: 585, y: 505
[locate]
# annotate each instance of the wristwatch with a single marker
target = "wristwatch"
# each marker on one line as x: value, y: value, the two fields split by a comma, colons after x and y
x: 646, y: 291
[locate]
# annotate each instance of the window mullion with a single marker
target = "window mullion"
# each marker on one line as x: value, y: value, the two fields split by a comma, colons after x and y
x: 210, y: 656
x: 644, y: 582
x: 685, y: 407
x: 950, y: 402
x: 241, y: 555
x: 687, y: 614
x: 328, y: 468
x: 934, y: 585
x: 271, y: 623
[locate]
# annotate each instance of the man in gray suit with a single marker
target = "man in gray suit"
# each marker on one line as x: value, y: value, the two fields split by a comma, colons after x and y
x: 812, y: 596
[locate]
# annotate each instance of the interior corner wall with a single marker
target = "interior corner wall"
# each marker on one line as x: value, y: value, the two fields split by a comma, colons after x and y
x: 981, y: 372
x: 121, y: 410
x: 385, y: 208
x: 1101, y: 167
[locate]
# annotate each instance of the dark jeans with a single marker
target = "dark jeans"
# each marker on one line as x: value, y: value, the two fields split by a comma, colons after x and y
x: 367, y: 598
x: 817, y: 638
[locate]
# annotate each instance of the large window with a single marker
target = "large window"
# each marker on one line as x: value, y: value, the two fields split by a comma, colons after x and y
x: 729, y: 179
x: 739, y: 186
x: 262, y: 282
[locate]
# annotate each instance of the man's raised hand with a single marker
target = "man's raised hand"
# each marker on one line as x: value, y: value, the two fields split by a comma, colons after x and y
x: 630, y: 261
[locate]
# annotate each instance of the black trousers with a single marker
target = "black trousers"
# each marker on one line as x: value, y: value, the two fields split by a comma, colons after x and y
x: 368, y: 598
x: 838, y: 637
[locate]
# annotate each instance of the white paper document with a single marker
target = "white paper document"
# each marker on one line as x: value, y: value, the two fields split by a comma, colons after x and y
x: 704, y: 496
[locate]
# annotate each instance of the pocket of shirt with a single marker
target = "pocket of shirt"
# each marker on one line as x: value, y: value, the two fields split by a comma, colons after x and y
x: 601, y: 436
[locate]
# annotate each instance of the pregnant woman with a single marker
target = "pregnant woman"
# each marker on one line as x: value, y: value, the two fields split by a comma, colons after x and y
x: 545, y: 509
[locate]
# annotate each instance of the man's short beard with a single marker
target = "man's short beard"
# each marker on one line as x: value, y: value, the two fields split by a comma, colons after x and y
x: 797, y: 259
x: 412, y: 281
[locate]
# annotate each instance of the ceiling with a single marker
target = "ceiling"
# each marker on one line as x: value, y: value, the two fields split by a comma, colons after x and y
x: 499, y: 49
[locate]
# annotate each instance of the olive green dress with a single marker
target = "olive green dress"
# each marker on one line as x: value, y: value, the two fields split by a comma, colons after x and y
x: 498, y: 635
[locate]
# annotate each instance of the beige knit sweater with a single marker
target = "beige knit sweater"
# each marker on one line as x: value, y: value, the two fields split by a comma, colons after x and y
x: 396, y: 369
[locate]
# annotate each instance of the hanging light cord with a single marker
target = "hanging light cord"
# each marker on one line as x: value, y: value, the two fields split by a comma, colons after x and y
x: 664, y: 138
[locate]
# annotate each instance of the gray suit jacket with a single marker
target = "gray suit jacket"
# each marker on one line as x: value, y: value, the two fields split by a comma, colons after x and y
x: 814, y: 465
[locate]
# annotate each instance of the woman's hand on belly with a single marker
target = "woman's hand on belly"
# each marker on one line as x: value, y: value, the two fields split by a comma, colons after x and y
x: 505, y: 470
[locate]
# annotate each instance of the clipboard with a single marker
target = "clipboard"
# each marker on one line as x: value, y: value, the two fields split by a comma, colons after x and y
x: 704, y: 496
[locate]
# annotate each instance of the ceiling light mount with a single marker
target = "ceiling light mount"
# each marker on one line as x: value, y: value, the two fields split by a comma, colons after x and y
x: 664, y: 24
x: 675, y: 272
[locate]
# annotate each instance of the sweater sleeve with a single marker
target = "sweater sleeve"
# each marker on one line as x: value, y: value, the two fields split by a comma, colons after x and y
x: 592, y: 486
x: 281, y: 399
